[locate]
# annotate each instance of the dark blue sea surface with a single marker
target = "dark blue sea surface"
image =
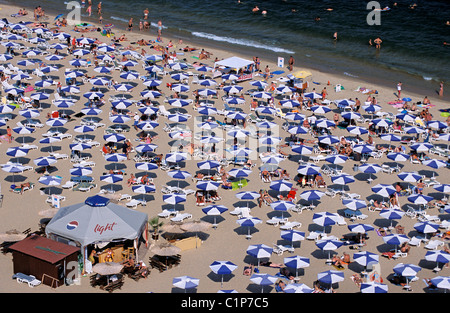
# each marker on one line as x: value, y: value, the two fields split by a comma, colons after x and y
x: 412, y: 48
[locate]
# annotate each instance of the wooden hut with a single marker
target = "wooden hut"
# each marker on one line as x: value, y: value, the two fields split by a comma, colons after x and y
x: 46, y: 259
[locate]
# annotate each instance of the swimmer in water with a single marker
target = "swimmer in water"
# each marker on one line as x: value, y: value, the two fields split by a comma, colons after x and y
x: 335, y: 36
x: 378, y: 42
x: 255, y: 9
x: 264, y: 12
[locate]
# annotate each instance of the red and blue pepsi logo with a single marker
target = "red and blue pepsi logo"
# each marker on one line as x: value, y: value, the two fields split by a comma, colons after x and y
x: 72, y: 225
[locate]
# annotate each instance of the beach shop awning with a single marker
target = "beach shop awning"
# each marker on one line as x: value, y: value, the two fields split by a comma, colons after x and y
x: 234, y: 62
x: 96, y: 220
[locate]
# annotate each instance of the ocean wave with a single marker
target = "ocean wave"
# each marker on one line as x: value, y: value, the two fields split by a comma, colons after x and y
x: 119, y: 19
x: 427, y: 78
x: 156, y: 25
x: 242, y: 42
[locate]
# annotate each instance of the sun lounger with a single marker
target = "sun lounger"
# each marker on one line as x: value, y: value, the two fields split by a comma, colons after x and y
x: 181, y: 217
x: 133, y: 203
x: 275, y: 221
x: 17, y: 189
x: 83, y: 186
x: 434, y: 244
x: 280, y: 249
x: 167, y: 213
x: 290, y: 225
x: 29, y: 279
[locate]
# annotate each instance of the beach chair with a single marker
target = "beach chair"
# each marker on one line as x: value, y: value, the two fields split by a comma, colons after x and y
x: 290, y: 225
x: 275, y: 221
x: 434, y: 244
x: 167, y: 213
x: 28, y: 279
x: 133, y: 203
x: 84, y: 187
x: 313, y: 235
x: 181, y: 217
x: 280, y: 249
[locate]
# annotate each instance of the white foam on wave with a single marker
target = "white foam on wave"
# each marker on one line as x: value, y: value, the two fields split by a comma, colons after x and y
x: 243, y: 42
x: 427, y: 78
x: 119, y: 19
x: 156, y: 25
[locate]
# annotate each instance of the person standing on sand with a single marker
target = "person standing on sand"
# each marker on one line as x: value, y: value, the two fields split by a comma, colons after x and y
x: 291, y: 63
x: 159, y: 28
x: 441, y: 90
x: 99, y: 9
x: 130, y: 24
x: 399, y: 89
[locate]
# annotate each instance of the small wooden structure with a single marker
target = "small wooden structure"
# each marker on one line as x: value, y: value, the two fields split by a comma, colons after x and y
x: 46, y: 259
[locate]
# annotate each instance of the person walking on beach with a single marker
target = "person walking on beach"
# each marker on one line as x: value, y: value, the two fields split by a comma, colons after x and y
x: 130, y: 24
x: 89, y: 8
x: 399, y: 89
x: 291, y: 63
x: 99, y: 9
x: 9, y: 134
x: 441, y: 90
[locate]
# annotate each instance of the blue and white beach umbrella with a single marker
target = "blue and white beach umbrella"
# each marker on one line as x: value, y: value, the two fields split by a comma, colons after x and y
x: 45, y: 161
x: 5, y: 57
x: 302, y: 149
x: 337, y: 159
x: 438, y: 256
x: 295, y: 130
x: 325, y: 218
x: 80, y: 52
x: 426, y: 227
x: 311, y: 195
x: 80, y: 171
x: 263, y: 280
x: 258, y: 83
x: 395, y: 239
x: 296, y: 262
x: 17, y: 152
x: 281, y: 185
x: 99, y: 81
x: 185, y: 282
x: 115, y: 157
x: 20, y: 76
x: 208, y: 185
x: 114, y: 137
x: 437, y: 124
x: 328, y: 139
x: 234, y: 89
x: 148, y: 110
x: 259, y: 251
x: 123, y: 87
x: 143, y: 189
x: 360, y: 228
x: 292, y: 236
x: 441, y: 282
x: 64, y: 104
x: 330, y: 277
x: 343, y: 179
x: 79, y: 146
x: 313, y: 95
x: 434, y: 163
x: 366, y: 258
x: 176, y: 157
x: 54, y: 57
x: 381, y: 122
x: 320, y: 109
x: 121, y: 104
x: 6, y: 108
x: 146, y: 166
x: 308, y: 169
x: 289, y: 103
x: 129, y: 63
x: 111, y: 178
x: 266, y: 124
x: 247, y: 195
x: 248, y: 222
x: 410, y: 177
x: 236, y: 115
x: 207, y: 82
x: 119, y: 118
x: 146, y: 147
x: 177, y: 66
x: 29, y: 113
x: 442, y: 188
x: 178, y: 117
x: 370, y: 168
x: 205, y: 110
x: 78, y: 62
x: 152, y: 94
x: 351, y: 115
x: 146, y: 126
x: 383, y: 190
x: 297, y: 288
x: 262, y: 95
x: 398, y: 156
x: 174, y: 198
x: 265, y: 110
x: 214, y: 210
x: 406, y: 270
x: 420, y: 199
x: 50, y: 180
x: 295, y: 116
x: 354, y: 204
x: 222, y: 268
x: 83, y: 128
x: 373, y: 287
x: 71, y: 89
x: 392, y: 214
x: 421, y: 147
x: 357, y: 130
x: 31, y: 53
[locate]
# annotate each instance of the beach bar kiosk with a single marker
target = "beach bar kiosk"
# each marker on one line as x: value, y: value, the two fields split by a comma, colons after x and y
x: 47, y: 260
x: 97, y: 222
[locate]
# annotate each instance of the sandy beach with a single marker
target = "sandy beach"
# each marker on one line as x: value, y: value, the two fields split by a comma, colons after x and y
x: 227, y: 241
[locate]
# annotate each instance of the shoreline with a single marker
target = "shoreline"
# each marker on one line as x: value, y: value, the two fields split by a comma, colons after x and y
x: 421, y: 86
